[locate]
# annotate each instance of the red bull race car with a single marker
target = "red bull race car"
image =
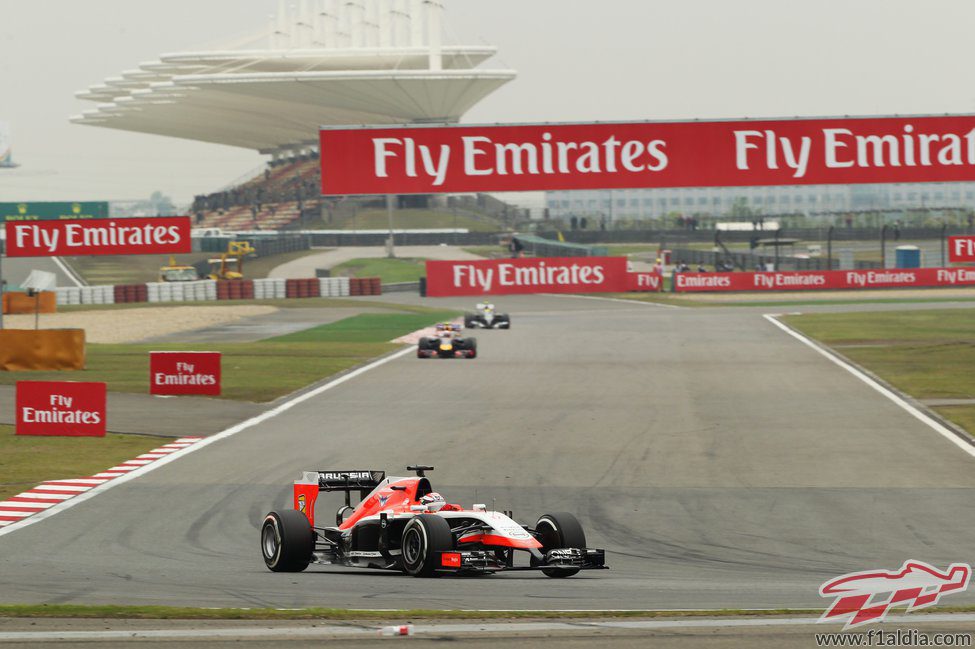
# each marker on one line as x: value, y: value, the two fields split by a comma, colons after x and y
x: 448, y: 343
x: 402, y: 524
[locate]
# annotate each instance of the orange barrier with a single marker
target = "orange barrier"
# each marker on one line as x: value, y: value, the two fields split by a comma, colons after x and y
x: 17, y: 302
x: 42, y: 349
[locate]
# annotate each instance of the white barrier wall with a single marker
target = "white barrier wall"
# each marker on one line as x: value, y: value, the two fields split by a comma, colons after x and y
x: 199, y: 291
x: 333, y: 286
x: 85, y: 295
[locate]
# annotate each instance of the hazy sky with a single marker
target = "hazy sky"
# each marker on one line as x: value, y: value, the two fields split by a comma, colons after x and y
x: 606, y: 60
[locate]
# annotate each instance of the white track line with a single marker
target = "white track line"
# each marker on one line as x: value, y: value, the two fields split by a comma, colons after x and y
x: 506, y: 628
x: 953, y: 437
x: 135, y: 472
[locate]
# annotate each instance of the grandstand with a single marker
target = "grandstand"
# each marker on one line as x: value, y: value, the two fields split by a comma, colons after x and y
x: 325, y: 62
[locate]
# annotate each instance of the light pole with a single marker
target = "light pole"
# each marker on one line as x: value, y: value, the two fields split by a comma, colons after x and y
x: 389, y: 213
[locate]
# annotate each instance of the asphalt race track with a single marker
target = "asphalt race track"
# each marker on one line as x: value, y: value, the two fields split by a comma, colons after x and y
x: 721, y: 463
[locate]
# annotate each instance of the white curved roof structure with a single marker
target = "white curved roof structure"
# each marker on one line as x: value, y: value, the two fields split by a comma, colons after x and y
x: 332, y: 62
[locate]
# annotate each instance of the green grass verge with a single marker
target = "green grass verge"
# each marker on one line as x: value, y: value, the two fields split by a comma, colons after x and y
x: 390, y: 270
x: 259, y: 371
x: 927, y: 354
x: 27, y: 460
x: 616, y: 250
x: 188, y: 613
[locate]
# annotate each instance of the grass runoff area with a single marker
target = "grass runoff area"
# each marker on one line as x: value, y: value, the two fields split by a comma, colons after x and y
x: 391, y: 271
x: 257, y: 371
x: 26, y: 460
x: 927, y: 354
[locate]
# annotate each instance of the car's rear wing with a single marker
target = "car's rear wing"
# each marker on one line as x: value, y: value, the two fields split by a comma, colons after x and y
x: 312, y: 483
x: 349, y: 480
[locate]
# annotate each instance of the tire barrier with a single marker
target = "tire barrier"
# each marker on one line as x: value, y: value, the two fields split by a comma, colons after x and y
x: 301, y: 288
x: 333, y: 286
x: 365, y: 286
x: 208, y: 290
x: 88, y: 295
x: 131, y: 293
x: 200, y: 291
x: 270, y: 288
x: 235, y: 289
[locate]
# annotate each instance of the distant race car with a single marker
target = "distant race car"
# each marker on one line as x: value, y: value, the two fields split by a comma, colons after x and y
x: 484, y: 317
x: 402, y: 524
x: 448, y: 343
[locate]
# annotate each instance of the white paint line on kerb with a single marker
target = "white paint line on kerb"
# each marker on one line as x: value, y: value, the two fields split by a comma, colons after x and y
x: 229, y: 432
x: 942, y: 430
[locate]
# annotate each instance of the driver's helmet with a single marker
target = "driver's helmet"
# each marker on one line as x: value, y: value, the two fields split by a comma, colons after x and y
x: 433, y: 501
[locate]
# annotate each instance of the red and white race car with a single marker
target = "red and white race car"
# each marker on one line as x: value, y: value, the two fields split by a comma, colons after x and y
x: 402, y: 524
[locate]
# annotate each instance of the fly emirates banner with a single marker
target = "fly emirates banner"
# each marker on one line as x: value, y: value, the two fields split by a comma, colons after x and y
x: 537, y: 275
x: 532, y: 157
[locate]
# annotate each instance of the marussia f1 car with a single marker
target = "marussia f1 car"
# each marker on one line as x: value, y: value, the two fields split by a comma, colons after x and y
x: 448, y: 343
x: 484, y: 317
x: 402, y: 524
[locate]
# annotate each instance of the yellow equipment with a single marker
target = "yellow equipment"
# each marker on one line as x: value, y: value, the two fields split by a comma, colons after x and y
x: 177, y: 273
x: 221, y: 268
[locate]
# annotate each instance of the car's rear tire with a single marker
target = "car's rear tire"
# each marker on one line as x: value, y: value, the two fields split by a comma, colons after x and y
x: 559, y: 530
x: 471, y: 344
x: 287, y: 541
x: 424, y: 538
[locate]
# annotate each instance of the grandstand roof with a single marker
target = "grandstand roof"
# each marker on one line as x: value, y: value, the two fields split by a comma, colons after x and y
x: 328, y: 63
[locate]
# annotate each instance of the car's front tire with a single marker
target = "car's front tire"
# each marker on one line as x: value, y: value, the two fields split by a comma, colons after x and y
x: 424, y: 538
x: 559, y: 530
x: 287, y: 541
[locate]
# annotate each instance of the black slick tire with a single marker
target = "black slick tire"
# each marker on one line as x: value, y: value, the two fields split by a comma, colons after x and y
x: 287, y: 541
x: 559, y: 530
x: 424, y: 538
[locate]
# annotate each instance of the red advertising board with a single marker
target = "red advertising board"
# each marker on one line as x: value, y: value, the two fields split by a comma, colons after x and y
x: 66, y: 408
x: 438, y: 159
x: 136, y: 236
x: 961, y: 248
x: 184, y: 373
x: 645, y: 281
x: 826, y: 279
x: 536, y: 275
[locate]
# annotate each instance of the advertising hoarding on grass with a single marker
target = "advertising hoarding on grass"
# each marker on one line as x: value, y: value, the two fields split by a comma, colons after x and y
x: 61, y: 408
x: 177, y: 373
x: 533, y: 157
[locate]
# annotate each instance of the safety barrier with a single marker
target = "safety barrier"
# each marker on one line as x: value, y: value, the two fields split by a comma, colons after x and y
x: 87, y: 295
x: 209, y: 290
x: 15, y: 302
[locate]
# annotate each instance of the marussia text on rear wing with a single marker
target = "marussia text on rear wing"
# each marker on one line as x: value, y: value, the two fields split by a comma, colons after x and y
x: 349, y: 480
